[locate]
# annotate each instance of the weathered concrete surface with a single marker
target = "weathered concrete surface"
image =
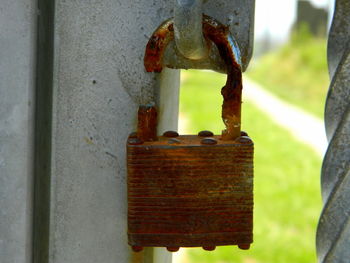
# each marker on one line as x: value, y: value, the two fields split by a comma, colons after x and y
x: 99, y: 81
x: 17, y: 68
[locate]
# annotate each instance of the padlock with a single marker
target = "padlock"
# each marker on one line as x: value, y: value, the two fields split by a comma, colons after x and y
x: 191, y: 190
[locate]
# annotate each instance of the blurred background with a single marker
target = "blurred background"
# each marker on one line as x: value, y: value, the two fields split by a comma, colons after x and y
x: 283, y: 101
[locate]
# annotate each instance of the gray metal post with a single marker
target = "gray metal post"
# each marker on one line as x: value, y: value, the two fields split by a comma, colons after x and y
x: 17, y: 101
x: 333, y: 233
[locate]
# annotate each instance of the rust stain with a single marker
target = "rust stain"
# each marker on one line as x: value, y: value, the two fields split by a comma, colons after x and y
x: 88, y: 140
x: 147, y: 123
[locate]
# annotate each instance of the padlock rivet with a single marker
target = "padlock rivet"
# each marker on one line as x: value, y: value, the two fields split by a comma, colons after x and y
x: 170, y: 134
x: 210, y: 248
x: 244, y: 246
x: 133, y: 135
x: 174, y: 141
x: 205, y: 134
x: 243, y: 133
x: 244, y: 140
x: 135, y: 141
x: 173, y: 249
x: 209, y: 141
x: 137, y: 248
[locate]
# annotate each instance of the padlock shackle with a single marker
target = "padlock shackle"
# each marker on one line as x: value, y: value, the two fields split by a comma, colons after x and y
x: 228, y: 49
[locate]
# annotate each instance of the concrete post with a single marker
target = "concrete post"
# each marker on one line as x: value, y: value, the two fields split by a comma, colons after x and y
x: 17, y: 92
x: 98, y: 83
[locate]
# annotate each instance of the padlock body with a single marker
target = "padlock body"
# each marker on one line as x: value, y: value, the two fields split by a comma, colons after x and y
x: 182, y: 193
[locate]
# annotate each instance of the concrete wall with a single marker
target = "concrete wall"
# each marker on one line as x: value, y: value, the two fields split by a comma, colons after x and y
x: 17, y: 68
x: 99, y: 82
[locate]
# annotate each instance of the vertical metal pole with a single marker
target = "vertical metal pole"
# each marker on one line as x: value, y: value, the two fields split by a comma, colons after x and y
x: 333, y: 233
x: 43, y: 139
x: 17, y: 102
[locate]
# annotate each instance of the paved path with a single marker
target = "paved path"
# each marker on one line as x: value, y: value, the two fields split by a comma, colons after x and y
x: 303, y: 126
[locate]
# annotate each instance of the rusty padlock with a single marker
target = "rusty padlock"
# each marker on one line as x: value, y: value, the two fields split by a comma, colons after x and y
x: 191, y: 190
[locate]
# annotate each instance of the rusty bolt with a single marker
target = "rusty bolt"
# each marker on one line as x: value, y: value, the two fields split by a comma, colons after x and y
x: 209, y: 141
x: 210, y: 248
x: 243, y: 133
x: 244, y: 140
x: 244, y: 246
x: 170, y: 134
x: 205, y: 134
x: 173, y: 249
x: 137, y: 248
x: 174, y: 141
x: 135, y: 141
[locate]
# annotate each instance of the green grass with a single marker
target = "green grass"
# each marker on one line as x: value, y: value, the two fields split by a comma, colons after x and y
x: 297, y: 72
x: 286, y: 186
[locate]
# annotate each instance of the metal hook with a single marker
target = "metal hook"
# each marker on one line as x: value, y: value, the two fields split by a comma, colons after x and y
x: 188, y: 29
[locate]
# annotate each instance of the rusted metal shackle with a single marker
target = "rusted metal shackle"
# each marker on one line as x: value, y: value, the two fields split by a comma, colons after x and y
x: 219, y: 34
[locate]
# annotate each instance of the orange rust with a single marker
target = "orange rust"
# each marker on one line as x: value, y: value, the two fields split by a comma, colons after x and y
x: 147, y: 123
x: 156, y: 46
x: 231, y: 92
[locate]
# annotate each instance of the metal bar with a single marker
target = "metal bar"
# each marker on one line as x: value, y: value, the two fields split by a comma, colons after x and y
x: 333, y: 233
x: 188, y: 29
x: 43, y: 115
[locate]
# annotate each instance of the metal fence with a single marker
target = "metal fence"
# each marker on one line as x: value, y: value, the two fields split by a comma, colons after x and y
x: 333, y: 233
